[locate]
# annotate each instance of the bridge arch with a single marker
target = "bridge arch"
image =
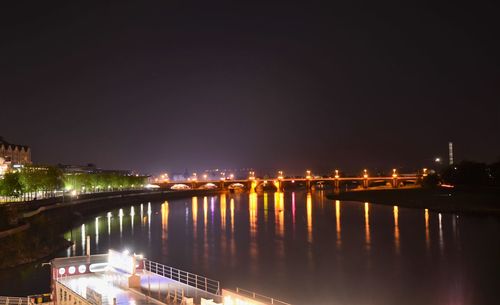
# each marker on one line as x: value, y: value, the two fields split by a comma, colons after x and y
x: 236, y: 185
x: 180, y: 186
x: 267, y: 185
x: 208, y: 186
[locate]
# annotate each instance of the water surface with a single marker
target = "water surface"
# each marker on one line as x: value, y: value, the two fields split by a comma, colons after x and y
x: 301, y: 248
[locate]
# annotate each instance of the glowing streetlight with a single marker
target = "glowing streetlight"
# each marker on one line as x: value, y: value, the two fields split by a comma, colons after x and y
x: 308, y: 174
x: 424, y: 172
x: 280, y: 175
x: 365, y: 173
x: 394, y: 173
x: 337, y: 174
x: 251, y: 175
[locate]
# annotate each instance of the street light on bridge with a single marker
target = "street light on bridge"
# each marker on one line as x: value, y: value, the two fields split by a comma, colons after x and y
x: 251, y: 175
x: 365, y: 173
x: 164, y: 177
x: 337, y: 174
x: 308, y: 174
x: 280, y: 175
x: 394, y: 173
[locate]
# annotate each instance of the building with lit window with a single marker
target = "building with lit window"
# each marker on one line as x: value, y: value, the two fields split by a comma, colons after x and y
x: 14, y: 153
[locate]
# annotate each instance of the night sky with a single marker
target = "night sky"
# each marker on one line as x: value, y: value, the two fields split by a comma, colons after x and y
x: 170, y: 85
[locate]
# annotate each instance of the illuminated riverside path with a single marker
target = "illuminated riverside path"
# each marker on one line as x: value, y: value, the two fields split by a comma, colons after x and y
x: 301, y: 248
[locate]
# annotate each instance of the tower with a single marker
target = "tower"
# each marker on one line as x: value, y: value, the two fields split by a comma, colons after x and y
x: 450, y: 152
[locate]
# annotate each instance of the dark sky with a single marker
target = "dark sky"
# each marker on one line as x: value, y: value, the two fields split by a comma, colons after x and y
x: 171, y: 85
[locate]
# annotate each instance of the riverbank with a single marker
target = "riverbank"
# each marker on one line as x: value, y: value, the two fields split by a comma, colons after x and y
x: 43, y: 237
x: 477, y: 201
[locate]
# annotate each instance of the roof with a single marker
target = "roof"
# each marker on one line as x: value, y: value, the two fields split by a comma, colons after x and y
x: 12, y: 146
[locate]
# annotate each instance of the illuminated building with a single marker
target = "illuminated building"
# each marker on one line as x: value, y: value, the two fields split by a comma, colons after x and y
x: 14, y: 153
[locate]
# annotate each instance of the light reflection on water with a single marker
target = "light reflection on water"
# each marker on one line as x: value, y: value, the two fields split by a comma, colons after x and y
x: 302, y: 248
x: 367, y: 226
x: 396, y: 229
x: 337, y: 222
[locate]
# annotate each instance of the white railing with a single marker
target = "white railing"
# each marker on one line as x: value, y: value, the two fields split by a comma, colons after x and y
x: 184, y: 277
x: 13, y: 300
x: 63, y: 295
x: 259, y: 297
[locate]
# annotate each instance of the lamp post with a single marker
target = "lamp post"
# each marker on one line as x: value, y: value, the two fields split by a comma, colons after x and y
x: 365, y: 178
x: 308, y: 180
x: 337, y: 182
x: 252, y: 184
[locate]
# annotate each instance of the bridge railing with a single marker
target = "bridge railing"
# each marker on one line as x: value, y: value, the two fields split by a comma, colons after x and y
x: 259, y: 297
x: 184, y: 277
x: 14, y: 300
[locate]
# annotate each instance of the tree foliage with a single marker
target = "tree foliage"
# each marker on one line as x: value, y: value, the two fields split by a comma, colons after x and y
x: 48, y: 179
x: 10, y: 185
x: 468, y: 173
x: 101, y: 181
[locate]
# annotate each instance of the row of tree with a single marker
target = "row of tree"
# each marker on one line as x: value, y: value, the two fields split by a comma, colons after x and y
x: 467, y: 173
x: 42, y: 182
x: 472, y: 173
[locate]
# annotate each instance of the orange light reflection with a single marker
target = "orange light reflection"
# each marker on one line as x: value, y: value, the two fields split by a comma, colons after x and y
x: 309, y: 217
x: 396, y: 229
x: 337, y: 218
x: 367, y: 226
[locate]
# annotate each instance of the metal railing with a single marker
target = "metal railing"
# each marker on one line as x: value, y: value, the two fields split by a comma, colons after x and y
x: 68, y: 291
x: 13, y: 300
x: 184, y: 277
x: 259, y: 297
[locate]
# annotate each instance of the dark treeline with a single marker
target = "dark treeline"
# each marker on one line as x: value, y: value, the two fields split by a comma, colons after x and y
x: 470, y: 173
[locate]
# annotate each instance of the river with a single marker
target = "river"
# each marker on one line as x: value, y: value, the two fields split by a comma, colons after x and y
x: 300, y: 248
